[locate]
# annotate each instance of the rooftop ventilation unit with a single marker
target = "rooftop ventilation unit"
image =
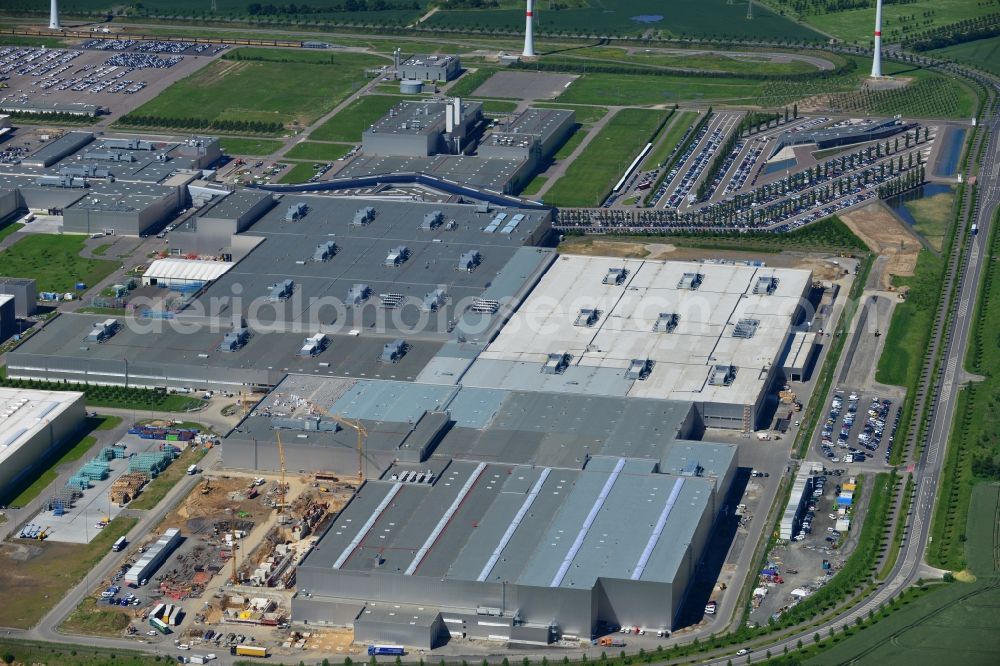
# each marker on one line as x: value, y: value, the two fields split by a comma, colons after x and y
x: 279, y: 291
x: 615, y: 276
x: 495, y: 223
x: 485, y: 305
x: 469, y: 260
x: 587, y: 317
x: 296, y: 212
x: 390, y: 301
x: 103, y: 330
x: 432, y: 220
x: 722, y: 375
x: 690, y: 281
x: 393, y: 351
x: 555, y: 364
x: 745, y: 328
x: 363, y: 216
x: 396, y: 256
x: 358, y: 294
x: 639, y: 368
x: 60, y: 181
x: 313, y: 345
x: 766, y: 285
x: 692, y: 468
x: 235, y: 339
x: 434, y: 300
x: 325, y: 251
x: 666, y: 322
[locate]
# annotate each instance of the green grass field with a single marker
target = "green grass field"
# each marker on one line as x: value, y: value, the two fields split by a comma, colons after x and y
x: 670, y: 137
x: 250, y: 147
x: 26, y: 652
x: 591, y: 176
x: 697, y: 60
x: 354, y: 119
x: 934, y: 217
x: 321, y: 152
x: 299, y: 173
x: 982, y: 53
x: 911, y: 323
x: 600, y: 17
x: 571, y: 144
x: 33, y: 586
x: 856, y: 25
x: 634, y: 89
x: 54, y: 261
x: 249, y: 90
x: 92, y: 620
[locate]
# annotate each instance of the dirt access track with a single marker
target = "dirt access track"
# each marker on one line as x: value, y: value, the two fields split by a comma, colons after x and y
x: 886, y: 235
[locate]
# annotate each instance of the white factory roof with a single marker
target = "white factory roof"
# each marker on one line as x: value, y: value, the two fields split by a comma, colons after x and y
x: 195, y: 270
x: 23, y: 412
x: 546, y: 323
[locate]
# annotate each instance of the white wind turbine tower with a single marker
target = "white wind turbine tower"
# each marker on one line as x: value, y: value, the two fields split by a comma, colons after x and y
x: 877, y: 59
x: 529, y: 33
x: 54, y: 16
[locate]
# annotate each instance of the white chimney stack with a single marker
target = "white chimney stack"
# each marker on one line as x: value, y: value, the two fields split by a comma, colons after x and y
x: 54, y: 16
x: 877, y: 59
x: 449, y: 122
x: 458, y: 110
x: 529, y: 33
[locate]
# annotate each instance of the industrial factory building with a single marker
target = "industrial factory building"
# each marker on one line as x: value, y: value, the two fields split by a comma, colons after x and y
x: 125, y: 186
x: 499, y: 510
x: 422, y: 128
x: 24, y: 292
x: 33, y: 425
x: 439, y: 68
x: 8, y: 317
x: 713, y: 334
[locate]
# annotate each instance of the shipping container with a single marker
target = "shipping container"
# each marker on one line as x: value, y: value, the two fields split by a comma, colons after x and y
x: 248, y: 651
x: 159, y: 625
x: 386, y: 650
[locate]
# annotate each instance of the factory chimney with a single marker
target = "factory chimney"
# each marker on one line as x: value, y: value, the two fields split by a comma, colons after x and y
x: 877, y: 59
x: 54, y: 16
x: 529, y: 33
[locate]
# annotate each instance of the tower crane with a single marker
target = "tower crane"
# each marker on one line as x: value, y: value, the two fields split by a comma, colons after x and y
x: 281, y: 487
x: 358, y: 427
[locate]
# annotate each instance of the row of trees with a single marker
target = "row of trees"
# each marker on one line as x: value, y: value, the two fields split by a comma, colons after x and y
x: 980, y: 27
x: 238, y: 126
x: 292, y: 9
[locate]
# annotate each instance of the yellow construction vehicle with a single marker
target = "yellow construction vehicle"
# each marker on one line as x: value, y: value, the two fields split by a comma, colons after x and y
x: 206, y: 487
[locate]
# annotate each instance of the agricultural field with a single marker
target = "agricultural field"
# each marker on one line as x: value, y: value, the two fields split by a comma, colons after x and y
x: 982, y: 53
x: 705, y: 18
x: 899, y: 20
x: 249, y: 147
x: 54, y: 261
x: 590, y: 177
x: 397, y: 12
x: 293, y: 94
x: 322, y: 152
x: 634, y: 89
x: 354, y: 119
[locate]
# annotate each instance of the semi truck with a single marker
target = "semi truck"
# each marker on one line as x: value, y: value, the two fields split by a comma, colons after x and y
x: 119, y: 545
x: 248, y: 651
x: 374, y: 650
x: 612, y: 641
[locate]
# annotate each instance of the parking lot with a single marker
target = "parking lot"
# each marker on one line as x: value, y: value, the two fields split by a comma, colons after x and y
x: 858, y: 428
x: 118, y: 79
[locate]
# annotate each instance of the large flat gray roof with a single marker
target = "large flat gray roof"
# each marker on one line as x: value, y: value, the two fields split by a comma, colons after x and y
x: 490, y: 173
x: 321, y: 288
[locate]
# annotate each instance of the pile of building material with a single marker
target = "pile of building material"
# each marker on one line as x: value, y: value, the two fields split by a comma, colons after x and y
x: 257, y: 610
x: 126, y: 487
x: 151, y: 463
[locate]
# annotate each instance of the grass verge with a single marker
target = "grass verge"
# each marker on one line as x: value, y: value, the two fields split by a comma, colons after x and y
x: 900, y: 531
x: 29, y: 652
x: 92, y: 620
x: 321, y: 152
x: 10, y: 229
x: 235, y: 145
x: 354, y: 119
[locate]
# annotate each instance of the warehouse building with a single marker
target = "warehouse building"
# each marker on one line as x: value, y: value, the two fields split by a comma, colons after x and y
x: 131, y: 209
x: 426, y: 127
x: 33, y: 426
x: 214, y: 231
x: 800, y: 356
x: 534, y: 135
x: 24, y: 292
x: 8, y: 317
x: 544, y: 478
x: 713, y: 334
x: 430, y: 68
x: 154, y: 557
